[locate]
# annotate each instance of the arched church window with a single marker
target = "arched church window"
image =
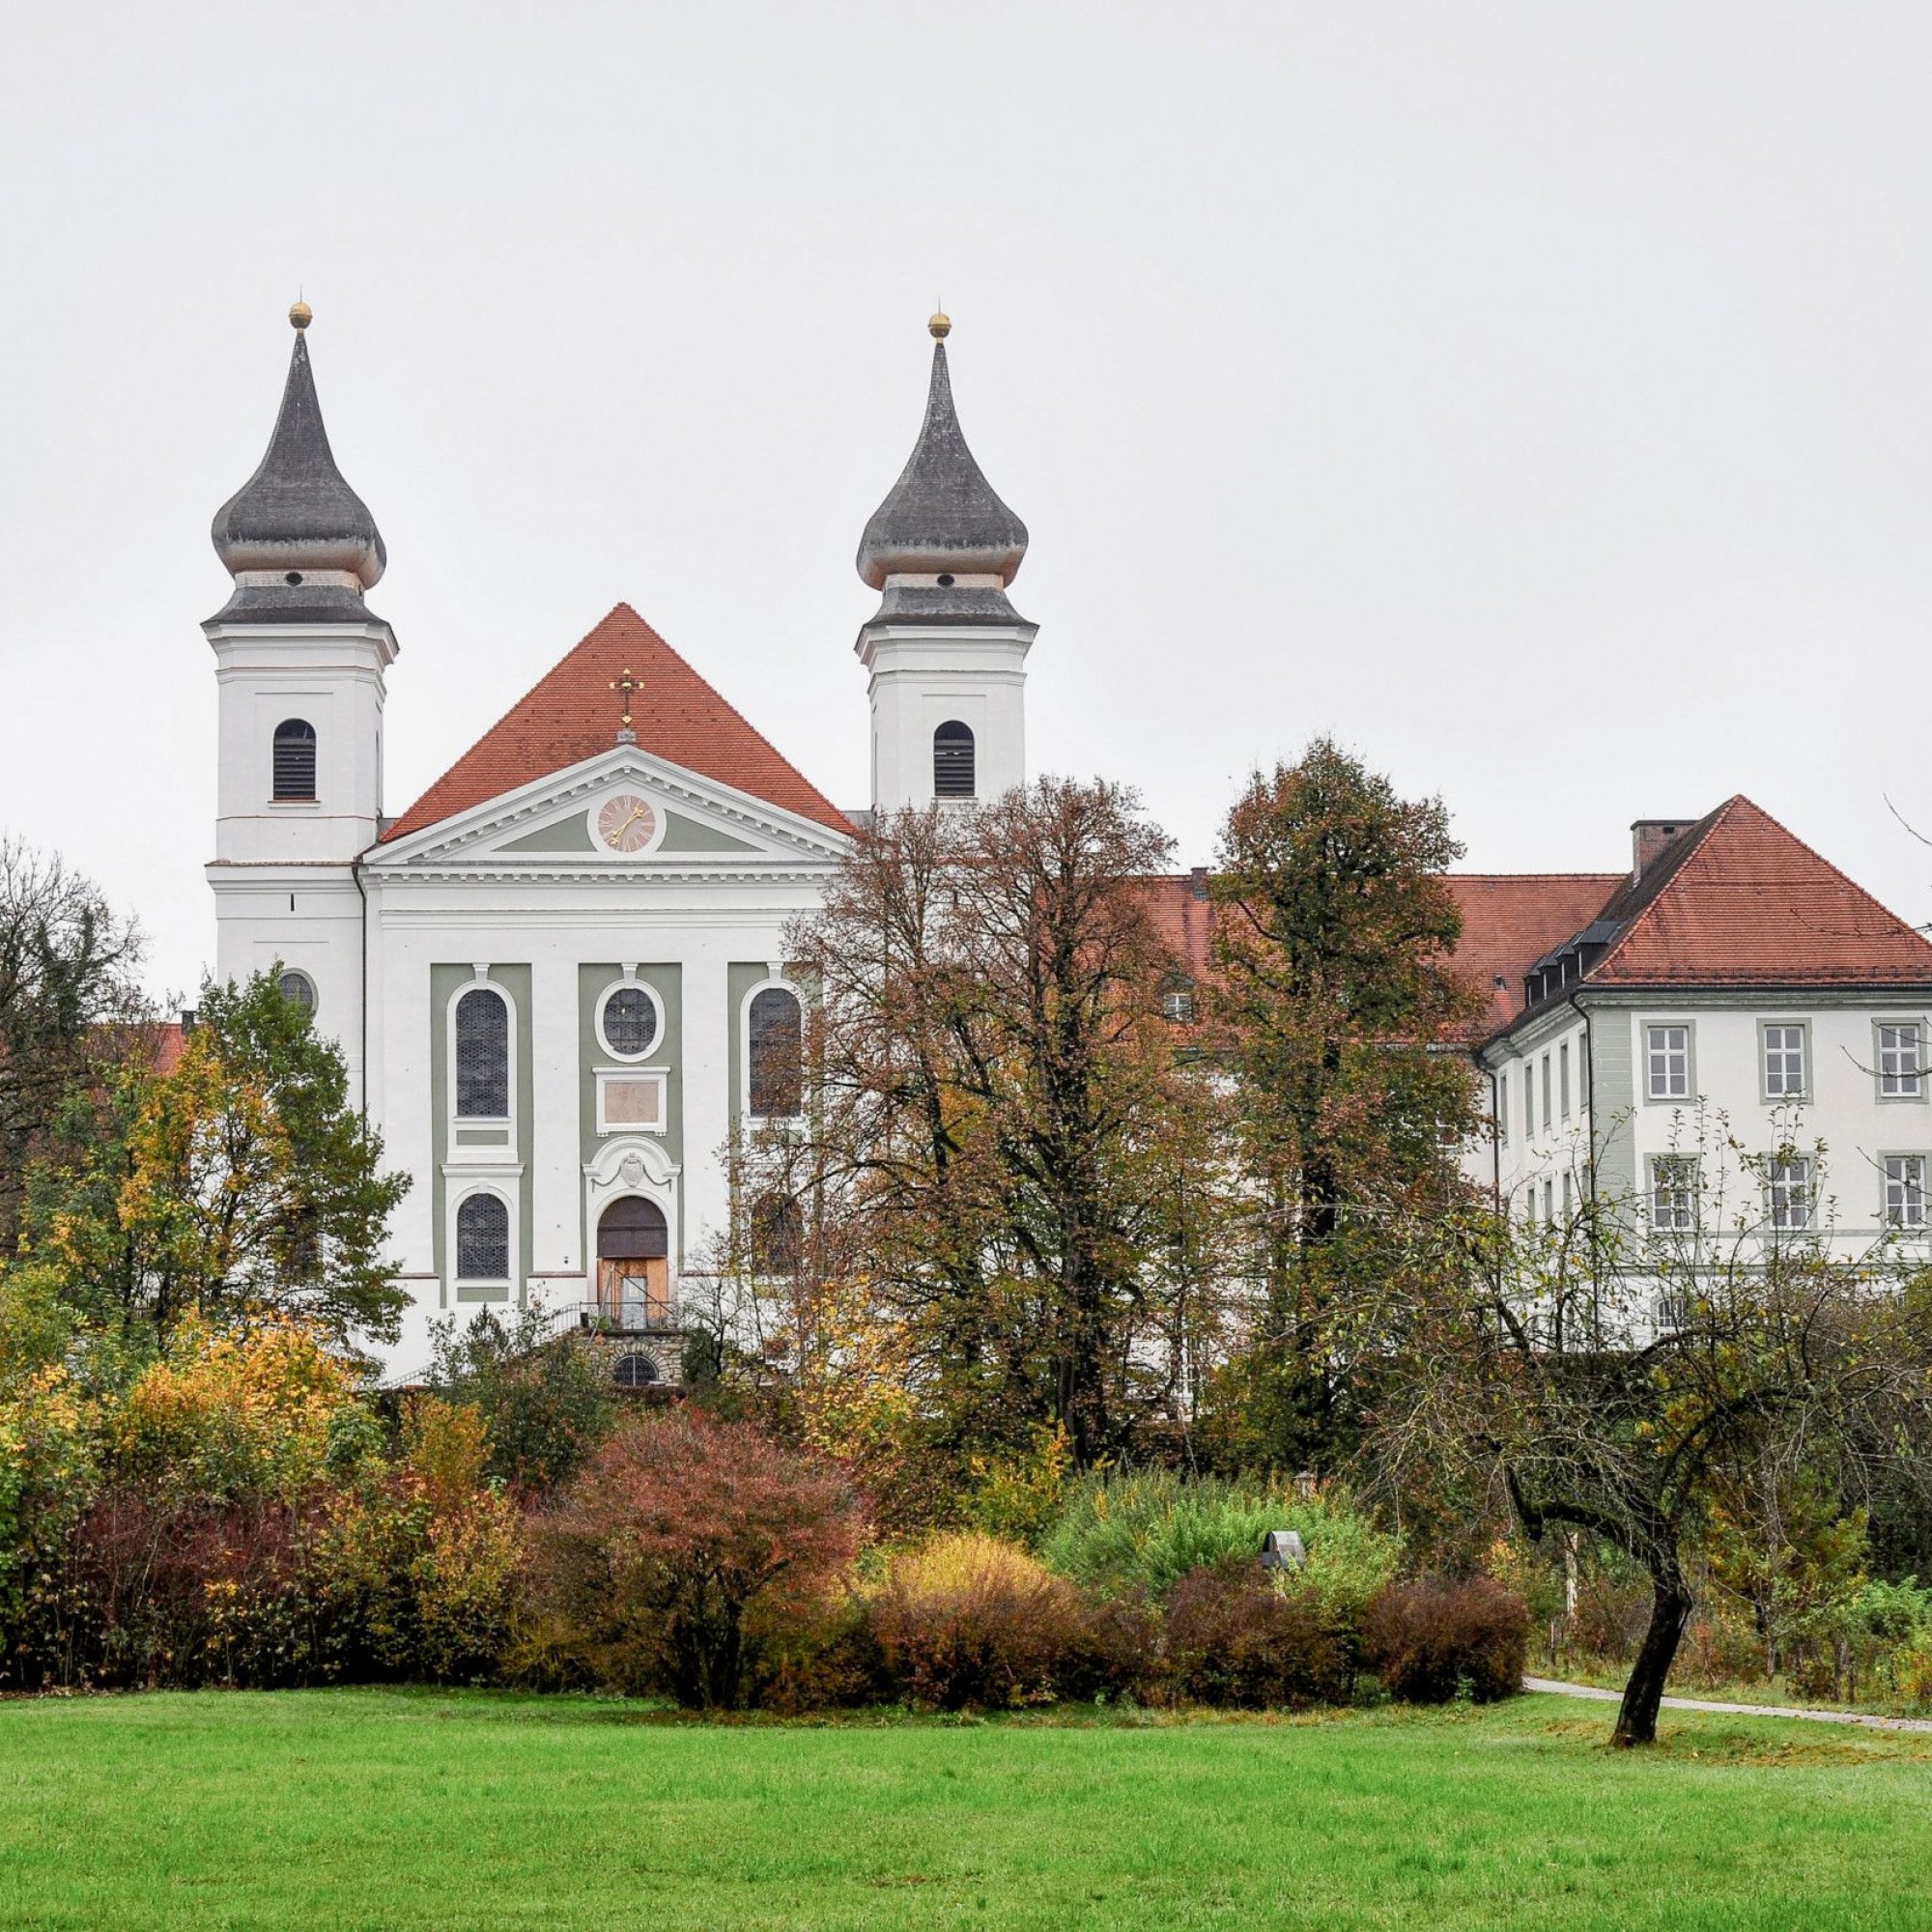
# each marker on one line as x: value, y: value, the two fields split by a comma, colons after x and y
x: 298, y: 990
x: 776, y: 1235
x: 482, y: 1056
x: 295, y: 758
x: 775, y: 1053
x: 952, y: 773
x: 483, y: 1240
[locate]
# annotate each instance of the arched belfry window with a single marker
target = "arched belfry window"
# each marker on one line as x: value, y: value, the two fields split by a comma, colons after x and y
x: 295, y: 758
x: 775, y: 1053
x: 953, y: 772
x: 483, y: 1240
x: 482, y: 1056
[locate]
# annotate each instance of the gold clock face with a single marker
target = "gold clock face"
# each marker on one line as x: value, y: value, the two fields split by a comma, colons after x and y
x: 626, y: 823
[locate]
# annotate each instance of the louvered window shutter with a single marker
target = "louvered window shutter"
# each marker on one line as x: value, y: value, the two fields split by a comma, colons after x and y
x: 295, y: 758
x: 952, y: 761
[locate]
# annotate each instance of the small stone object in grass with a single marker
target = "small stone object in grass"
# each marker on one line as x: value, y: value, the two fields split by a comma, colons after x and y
x: 1282, y: 1550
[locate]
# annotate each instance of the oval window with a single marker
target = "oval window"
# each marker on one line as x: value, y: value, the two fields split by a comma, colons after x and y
x: 630, y: 1022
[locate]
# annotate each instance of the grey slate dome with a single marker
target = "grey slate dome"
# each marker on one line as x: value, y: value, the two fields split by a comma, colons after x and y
x: 942, y: 515
x: 299, y: 542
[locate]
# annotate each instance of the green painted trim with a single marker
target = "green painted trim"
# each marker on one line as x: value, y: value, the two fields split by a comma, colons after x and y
x: 567, y: 834
x: 482, y: 1294
x: 445, y: 983
x: 1613, y: 1124
x: 667, y: 1054
x: 740, y: 977
x: 692, y: 835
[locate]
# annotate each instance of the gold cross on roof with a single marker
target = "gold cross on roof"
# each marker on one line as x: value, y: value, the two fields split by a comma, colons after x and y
x: 626, y: 685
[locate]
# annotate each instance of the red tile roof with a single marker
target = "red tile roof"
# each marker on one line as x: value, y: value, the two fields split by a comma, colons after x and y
x: 572, y: 715
x: 1735, y: 900
x: 1740, y: 902
x: 1510, y: 920
x: 1184, y: 918
x: 169, y: 1038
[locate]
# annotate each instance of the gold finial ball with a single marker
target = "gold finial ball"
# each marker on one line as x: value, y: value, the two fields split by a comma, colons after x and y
x: 301, y: 314
x: 940, y: 325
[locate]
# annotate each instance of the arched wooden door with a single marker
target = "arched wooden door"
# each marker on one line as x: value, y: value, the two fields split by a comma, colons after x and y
x: 634, y: 1264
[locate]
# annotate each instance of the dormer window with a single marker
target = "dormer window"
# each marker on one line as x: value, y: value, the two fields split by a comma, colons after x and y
x: 952, y: 761
x: 295, y: 759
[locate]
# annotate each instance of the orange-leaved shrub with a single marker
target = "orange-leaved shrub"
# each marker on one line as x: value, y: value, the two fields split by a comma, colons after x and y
x: 1236, y: 1637
x: 965, y: 1619
x: 683, y: 1547
x: 1436, y: 1639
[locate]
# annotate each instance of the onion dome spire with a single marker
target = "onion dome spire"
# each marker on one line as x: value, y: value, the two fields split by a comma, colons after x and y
x: 299, y: 542
x: 943, y: 518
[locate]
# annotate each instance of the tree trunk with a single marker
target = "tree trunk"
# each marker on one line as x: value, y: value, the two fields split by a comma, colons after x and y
x: 1670, y: 1607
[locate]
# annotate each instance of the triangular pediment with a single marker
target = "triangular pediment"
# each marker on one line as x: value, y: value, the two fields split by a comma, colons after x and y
x: 624, y: 809
x: 572, y: 714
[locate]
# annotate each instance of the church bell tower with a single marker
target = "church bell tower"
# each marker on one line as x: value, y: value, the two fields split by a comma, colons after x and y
x: 301, y: 662
x: 945, y: 650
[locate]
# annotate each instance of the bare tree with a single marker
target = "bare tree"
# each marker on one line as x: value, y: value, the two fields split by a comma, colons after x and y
x: 67, y: 979
x: 1614, y: 1378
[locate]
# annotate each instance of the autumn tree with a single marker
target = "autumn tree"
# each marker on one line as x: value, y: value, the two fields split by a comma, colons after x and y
x: 681, y: 1539
x: 238, y: 1184
x: 992, y: 1156
x: 1334, y: 998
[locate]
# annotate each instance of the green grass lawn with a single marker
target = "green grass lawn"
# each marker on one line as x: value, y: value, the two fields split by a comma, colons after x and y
x: 379, y: 1809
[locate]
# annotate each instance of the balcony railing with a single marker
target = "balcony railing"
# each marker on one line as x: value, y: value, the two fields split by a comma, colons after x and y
x: 633, y: 1318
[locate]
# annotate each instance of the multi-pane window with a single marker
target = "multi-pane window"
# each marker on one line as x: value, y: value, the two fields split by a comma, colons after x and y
x: 775, y: 1050
x: 1529, y: 1101
x: 1905, y: 1191
x: 1503, y: 1106
x: 1901, y: 1071
x: 1549, y: 1204
x: 1790, y: 1186
x: 1669, y: 1058
x: 1673, y: 1193
x: 1563, y: 1076
x: 1549, y: 1113
x: 1569, y: 1200
x: 1176, y: 1005
x: 482, y: 1056
x: 1784, y: 1063
x: 483, y: 1239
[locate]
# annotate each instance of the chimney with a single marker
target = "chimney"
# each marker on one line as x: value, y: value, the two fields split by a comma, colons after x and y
x: 1650, y: 839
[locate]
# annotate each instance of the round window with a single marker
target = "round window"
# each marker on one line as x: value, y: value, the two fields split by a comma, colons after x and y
x: 630, y: 1022
x: 634, y: 1372
x: 298, y: 990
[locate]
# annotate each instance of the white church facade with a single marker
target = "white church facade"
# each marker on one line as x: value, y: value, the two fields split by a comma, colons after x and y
x: 558, y: 977
x: 560, y: 980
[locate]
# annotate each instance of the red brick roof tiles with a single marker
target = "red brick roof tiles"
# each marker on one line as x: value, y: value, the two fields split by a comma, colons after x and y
x: 1510, y: 920
x: 1736, y: 901
x: 1744, y: 902
x: 572, y: 714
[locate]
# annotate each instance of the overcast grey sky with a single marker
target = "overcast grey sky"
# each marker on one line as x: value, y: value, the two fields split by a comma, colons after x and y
x: 1537, y: 396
